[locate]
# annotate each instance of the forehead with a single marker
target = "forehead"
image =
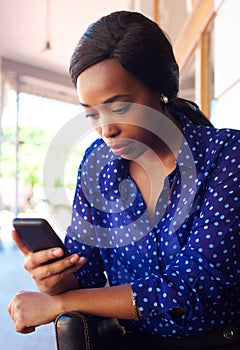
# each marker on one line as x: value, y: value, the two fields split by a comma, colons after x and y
x: 104, y: 79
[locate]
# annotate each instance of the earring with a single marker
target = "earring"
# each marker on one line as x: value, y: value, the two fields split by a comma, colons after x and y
x: 164, y: 99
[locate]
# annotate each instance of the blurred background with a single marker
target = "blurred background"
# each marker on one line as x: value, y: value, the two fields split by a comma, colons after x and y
x: 37, y: 99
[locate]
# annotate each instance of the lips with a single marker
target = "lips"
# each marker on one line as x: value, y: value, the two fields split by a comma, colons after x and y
x: 120, y: 148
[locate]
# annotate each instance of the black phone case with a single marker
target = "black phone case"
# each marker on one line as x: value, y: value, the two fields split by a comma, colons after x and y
x: 38, y: 235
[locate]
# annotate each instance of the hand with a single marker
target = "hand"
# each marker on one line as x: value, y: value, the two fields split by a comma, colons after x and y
x: 31, y: 309
x: 51, y: 278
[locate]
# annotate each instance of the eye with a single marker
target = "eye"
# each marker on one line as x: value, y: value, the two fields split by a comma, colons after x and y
x: 123, y: 108
x: 91, y: 114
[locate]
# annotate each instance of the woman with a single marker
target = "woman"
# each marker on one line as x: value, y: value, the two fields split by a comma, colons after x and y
x: 156, y: 205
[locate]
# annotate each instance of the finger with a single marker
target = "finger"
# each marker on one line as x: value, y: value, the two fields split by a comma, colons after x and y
x: 27, y: 330
x: 20, y: 243
x: 52, y: 284
x: 62, y: 267
x: 42, y: 257
x: 55, y: 270
x: 21, y: 328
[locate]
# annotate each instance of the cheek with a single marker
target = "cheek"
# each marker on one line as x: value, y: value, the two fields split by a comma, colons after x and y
x: 96, y: 126
x: 94, y: 122
x: 136, y: 133
x: 98, y: 130
x: 139, y: 118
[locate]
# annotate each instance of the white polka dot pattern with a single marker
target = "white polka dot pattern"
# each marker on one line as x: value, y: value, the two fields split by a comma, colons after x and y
x: 189, y: 259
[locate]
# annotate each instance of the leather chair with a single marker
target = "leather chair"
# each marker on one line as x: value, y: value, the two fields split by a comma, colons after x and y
x: 78, y: 331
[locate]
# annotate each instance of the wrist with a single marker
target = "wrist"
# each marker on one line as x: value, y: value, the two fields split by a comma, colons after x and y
x: 67, y: 301
x: 59, y: 303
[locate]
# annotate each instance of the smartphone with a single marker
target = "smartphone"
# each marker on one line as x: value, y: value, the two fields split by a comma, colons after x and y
x: 38, y: 235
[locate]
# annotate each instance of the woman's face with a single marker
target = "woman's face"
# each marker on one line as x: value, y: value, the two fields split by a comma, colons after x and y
x: 114, y: 100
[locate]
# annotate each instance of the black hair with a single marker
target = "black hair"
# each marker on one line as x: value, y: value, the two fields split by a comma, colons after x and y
x: 140, y: 46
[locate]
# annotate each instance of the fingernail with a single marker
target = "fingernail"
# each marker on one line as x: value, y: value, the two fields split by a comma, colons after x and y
x: 81, y: 259
x: 75, y: 259
x: 57, y: 252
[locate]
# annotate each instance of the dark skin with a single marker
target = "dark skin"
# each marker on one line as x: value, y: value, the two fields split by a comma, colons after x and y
x: 53, y: 278
x: 112, y: 98
x: 147, y: 161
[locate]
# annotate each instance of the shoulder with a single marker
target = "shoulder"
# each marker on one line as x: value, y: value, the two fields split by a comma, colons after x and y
x: 221, y: 153
x: 220, y: 141
x: 210, y: 141
x: 211, y: 147
x: 221, y: 136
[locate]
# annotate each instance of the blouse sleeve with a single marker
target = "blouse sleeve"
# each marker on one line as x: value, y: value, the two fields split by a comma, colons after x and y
x: 79, y: 235
x: 207, y: 269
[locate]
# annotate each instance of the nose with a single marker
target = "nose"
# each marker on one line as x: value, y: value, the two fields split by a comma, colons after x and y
x: 109, y: 130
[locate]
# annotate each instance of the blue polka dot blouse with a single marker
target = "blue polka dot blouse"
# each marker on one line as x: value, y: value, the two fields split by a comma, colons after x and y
x: 190, y: 258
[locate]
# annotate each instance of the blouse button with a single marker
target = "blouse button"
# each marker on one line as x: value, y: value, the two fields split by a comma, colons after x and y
x: 228, y: 333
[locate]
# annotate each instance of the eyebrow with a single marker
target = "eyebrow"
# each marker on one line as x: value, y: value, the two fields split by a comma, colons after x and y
x: 110, y: 99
